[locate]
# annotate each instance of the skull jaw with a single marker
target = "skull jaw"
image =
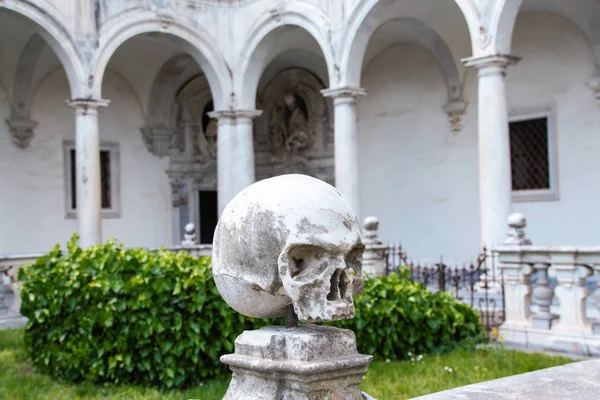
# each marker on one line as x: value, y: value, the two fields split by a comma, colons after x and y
x: 318, y: 310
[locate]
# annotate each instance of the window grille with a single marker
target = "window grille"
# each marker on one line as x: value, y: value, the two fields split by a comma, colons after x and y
x: 109, y: 179
x: 529, y: 153
x: 105, y: 179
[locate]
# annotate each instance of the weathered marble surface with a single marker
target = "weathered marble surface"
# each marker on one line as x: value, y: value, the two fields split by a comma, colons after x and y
x: 308, y: 362
x: 292, y: 239
x: 577, y: 381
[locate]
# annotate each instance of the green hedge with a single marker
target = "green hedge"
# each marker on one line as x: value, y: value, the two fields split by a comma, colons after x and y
x: 106, y: 314
x: 396, y: 316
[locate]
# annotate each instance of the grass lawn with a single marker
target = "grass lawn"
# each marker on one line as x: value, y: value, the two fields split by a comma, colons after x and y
x: 385, y: 380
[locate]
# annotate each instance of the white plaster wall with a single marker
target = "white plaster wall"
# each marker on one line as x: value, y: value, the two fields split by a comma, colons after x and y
x: 421, y: 180
x: 145, y: 193
x: 32, y: 196
x: 416, y: 176
x: 556, y: 64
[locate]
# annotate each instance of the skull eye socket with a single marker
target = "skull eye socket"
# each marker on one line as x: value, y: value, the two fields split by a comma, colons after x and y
x: 306, y: 262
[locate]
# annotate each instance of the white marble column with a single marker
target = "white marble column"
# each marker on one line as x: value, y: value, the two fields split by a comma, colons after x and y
x: 346, y: 143
x: 245, y: 148
x: 235, y: 153
x: 495, y: 186
x: 226, y: 148
x: 87, y: 161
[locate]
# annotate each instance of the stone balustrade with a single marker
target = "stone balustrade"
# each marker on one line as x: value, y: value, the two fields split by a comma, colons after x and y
x: 544, y: 316
x: 10, y: 287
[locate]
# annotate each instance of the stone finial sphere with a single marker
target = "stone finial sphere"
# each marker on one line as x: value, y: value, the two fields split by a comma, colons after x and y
x: 517, y: 220
x: 291, y: 239
x: 371, y: 223
x: 190, y: 228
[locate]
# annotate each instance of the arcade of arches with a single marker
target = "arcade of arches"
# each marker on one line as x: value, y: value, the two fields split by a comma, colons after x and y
x: 439, y: 119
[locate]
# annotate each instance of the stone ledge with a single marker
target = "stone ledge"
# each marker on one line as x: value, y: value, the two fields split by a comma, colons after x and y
x: 8, y: 322
x: 579, y: 381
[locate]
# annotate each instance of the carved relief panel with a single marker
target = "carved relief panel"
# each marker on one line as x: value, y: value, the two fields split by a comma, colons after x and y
x: 293, y: 135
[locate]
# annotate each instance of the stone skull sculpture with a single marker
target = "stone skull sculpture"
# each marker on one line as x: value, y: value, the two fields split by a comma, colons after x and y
x: 292, y: 239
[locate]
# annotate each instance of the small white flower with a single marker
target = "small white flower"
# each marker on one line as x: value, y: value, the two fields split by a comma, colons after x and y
x: 448, y: 369
x: 409, y: 353
x: 387, y: 360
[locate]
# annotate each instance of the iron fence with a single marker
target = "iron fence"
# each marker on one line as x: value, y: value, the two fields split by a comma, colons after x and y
x: 477, y: 283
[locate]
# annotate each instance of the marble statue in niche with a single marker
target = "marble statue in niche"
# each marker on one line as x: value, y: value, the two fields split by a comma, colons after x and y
x: 211, y: 137
x: 204, y: 137
x: 289, y: 129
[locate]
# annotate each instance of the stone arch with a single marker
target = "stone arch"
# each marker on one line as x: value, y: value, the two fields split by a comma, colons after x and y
x: 501, y: 23
x: 20, y: 124
x: 172, y: 76
x: 420, y: 33
x: 52, y: 28
x: 503, y: 16
x: 198, y: 43
x: 255, y: 56
x: 25, y: 82
x: 370, y: 15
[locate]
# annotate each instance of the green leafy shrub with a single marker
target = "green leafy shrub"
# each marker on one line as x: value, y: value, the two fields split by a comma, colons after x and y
x: 106, y: 314
x: 127, y: 316
x: 395, y: 317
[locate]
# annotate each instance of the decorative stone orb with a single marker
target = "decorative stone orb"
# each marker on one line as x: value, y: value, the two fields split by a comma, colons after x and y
x: 190, y: 228
x: 292, y: 239
x: 517, y: 220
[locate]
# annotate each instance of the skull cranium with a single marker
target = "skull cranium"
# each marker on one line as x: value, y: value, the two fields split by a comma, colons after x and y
x: 287, y: 240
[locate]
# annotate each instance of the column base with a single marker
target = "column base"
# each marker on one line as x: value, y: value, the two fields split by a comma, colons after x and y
x: 304, y: 363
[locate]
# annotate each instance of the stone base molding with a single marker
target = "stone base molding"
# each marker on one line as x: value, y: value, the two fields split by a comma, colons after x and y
x: 308, y: 362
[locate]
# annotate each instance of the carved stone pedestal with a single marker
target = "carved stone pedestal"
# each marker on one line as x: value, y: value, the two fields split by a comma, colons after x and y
x: 308, y: 362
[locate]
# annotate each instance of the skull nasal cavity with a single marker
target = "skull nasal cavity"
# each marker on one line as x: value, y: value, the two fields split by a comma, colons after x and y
x: 298, y: 266
x: 334, y: 291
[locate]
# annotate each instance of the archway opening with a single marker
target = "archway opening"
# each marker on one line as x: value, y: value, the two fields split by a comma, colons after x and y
x: 171, y: 140
x: 37, y: 75
x: 410, y: 132
x: 294, y: 133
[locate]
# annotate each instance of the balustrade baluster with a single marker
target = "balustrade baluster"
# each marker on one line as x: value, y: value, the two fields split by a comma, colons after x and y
x: 542, y: 297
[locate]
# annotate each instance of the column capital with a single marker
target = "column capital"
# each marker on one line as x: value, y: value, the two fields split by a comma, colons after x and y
x: 87, y: 104
x: 497, y: 61
x: 343, y: 92
x: 250, y: 114
x: 233, y: 114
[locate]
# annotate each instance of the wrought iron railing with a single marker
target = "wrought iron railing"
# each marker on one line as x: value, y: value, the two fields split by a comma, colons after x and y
x: 477, y: 283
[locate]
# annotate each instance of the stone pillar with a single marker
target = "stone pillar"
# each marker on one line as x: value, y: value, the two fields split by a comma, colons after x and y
x: 245, y: 149
x: 517, y: 291
x: 572, y: 293
x: 374, y: 257
x: 235, y: 153
x: 226, y: 153
x: 346, y: 146
x: 87, y: 161
x: 495, y: 186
